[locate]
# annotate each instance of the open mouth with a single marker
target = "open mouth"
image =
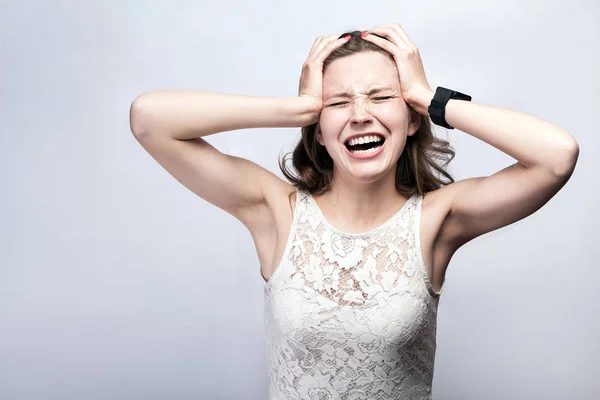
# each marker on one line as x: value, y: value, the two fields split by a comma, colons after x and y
x: 365, y: 148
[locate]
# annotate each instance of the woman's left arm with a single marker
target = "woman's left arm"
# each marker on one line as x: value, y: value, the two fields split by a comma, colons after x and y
x: 546, y: 155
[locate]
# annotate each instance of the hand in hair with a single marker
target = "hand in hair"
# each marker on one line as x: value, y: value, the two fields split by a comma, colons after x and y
x: 395, y: 41
x: 311, y: 81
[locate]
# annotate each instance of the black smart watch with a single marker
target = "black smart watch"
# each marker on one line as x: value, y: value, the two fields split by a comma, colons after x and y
x: 437, y: 108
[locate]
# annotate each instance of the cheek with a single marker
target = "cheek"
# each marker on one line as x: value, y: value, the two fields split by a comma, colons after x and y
x: 334, y: 119
x: 331, y: 127
x: 392, y: 113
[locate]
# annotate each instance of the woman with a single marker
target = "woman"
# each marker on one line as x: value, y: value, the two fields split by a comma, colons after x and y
x: 354, y: 251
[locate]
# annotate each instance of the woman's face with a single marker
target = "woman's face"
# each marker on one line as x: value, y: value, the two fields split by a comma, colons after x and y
x: 362, y: 110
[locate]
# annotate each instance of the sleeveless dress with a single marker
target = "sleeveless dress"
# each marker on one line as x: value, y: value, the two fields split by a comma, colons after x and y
x: 351, y: 316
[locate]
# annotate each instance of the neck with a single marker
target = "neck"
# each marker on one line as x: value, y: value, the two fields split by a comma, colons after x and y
x: 361, y: 207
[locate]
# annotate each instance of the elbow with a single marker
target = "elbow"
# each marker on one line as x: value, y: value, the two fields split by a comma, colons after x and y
x: 565, y: 167
x: 138, y: 115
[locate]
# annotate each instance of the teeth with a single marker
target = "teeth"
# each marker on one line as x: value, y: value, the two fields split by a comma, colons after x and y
x: 369, y: 151
x: 364, y: 139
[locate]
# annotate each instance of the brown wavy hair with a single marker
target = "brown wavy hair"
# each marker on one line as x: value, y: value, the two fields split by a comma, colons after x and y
x: 414, y: 169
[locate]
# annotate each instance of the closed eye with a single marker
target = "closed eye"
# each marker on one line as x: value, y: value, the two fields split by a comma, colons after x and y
x: 383, y: 98
x: 376, y: 98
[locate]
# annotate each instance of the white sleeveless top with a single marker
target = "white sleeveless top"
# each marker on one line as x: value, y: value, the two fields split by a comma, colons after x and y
x: 351, y: 316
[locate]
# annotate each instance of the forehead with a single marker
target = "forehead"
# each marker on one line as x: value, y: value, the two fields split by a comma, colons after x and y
x: 360, y: 72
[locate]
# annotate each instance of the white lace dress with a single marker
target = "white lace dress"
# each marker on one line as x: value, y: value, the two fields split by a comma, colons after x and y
x: 351, y: 316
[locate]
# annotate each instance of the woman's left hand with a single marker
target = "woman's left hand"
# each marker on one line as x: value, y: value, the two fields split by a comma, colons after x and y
x: 413, y: 82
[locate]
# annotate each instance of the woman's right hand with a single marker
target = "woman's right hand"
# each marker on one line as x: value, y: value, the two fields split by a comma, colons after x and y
x: 311, y: 81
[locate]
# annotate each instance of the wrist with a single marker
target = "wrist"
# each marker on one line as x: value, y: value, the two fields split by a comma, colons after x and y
x: 307, y: 109
x: 420, y: 100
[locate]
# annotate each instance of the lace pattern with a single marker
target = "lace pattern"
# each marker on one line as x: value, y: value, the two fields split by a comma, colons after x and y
x: 351, y: 316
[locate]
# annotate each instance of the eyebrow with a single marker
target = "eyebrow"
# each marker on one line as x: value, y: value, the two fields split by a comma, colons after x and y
x: 370, y: 92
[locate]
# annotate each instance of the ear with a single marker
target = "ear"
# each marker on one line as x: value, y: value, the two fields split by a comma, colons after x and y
x: 415, y: 121
x: 319, y: 135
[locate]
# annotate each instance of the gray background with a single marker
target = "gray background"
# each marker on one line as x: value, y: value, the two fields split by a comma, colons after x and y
x: 116, y: 282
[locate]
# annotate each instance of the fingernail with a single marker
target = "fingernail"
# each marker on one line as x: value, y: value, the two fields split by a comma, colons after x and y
x: 364, y: 34
x: 347, y: 37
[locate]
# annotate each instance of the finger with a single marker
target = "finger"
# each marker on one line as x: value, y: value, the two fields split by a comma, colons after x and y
x: 315, y: 44
x: 316, y: 48
x: 387, y: 45
x: 324, y: 42
x: 326, y: 47
x: 391, y: 35
x: 403, y: 34
x: 396, y: 31
x: 398, y: 28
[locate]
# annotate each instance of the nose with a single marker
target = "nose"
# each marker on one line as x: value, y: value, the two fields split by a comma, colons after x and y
x: 361, y: 113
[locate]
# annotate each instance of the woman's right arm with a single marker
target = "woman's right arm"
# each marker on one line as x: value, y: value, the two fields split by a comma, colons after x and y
x: 170, y: 125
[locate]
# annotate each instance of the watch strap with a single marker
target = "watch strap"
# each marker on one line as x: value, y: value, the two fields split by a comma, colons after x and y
x: 437, y: 108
